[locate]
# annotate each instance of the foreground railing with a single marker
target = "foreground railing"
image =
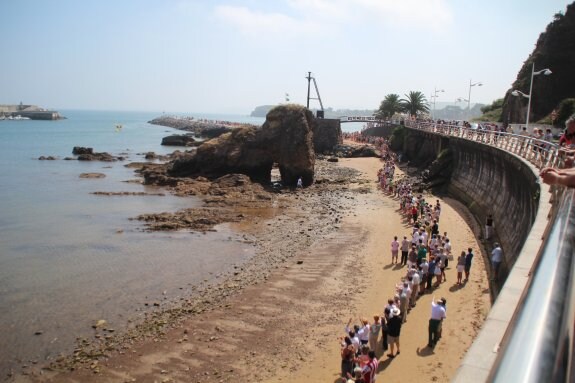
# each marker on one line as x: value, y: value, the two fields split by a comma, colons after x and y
x: 538, y: 344
x: 540, y: 153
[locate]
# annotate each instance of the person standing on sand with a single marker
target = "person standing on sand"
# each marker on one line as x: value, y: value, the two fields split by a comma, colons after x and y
x: 374, y: 330
x: 468, y: 259
x: 370, y: 369
x: 424, y: 273
x: 437, y: 315
x: 416, y: 280
x: 460, y: 267
x: 393, y: 331
x: 404, y: 299
x: 394, y: 250
x: 384, y: 321
x: 299, y: 183
x: 347, y: 357
x: 363, y: 332
x: 430, y: 273
x: 412, y: 256
x: 404, y: 250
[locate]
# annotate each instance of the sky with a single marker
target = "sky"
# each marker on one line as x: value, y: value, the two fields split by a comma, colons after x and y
x: 229, y: 56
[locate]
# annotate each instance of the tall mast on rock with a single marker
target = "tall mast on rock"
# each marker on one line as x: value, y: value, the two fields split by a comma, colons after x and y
x: 309, y: 78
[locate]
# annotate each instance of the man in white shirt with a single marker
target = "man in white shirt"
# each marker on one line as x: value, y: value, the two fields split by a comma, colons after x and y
x: 437, y: 316
x: 496, y: 259
x: 416, y: 280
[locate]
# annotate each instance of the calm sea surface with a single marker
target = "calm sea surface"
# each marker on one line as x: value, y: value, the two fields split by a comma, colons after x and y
x: 69, y: 257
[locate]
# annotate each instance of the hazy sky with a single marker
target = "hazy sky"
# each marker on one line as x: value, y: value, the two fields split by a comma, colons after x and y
x: 228, y: 56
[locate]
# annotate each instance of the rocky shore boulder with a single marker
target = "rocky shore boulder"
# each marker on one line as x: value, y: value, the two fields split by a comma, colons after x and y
x: 88, y: 154
x: 179, y: 140
x: 286, y: 138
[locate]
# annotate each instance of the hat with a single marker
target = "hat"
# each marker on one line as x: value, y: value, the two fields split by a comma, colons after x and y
x: 395, y: 311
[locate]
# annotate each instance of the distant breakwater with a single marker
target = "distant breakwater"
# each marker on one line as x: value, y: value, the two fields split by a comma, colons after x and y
x: 199, y: 127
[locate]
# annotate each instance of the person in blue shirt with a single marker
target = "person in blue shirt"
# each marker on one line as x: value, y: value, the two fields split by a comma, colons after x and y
x: 468, y: 259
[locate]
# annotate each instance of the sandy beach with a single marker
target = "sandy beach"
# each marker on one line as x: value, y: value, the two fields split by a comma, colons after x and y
x: 323, y: 257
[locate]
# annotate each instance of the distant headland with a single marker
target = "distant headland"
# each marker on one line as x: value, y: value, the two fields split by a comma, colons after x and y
x: 27, y: 112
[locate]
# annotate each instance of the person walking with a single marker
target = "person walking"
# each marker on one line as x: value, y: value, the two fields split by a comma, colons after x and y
x: 496, y: 259
x: 468, y: 259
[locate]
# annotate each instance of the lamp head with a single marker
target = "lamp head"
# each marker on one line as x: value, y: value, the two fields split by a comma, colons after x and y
x: 547, y: 72
x: 515, y: 93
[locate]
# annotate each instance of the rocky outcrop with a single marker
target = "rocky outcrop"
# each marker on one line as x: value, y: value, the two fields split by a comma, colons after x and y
x: 88, y: 154
x: 286, y: 138
x: 180, y: 140
x: 352, y: 151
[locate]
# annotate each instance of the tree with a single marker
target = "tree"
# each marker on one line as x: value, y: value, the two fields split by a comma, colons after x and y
x: 389, y: 106
x: 415, y: 103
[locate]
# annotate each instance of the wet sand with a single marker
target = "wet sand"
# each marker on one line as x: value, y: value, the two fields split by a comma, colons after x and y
x: 322, y: 258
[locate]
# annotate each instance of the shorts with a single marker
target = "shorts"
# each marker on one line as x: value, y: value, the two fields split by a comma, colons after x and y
x: 460, y: 268
x: 394, y: 253
x: 392, y: 340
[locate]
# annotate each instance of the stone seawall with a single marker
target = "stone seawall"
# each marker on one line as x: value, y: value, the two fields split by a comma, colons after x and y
x: 491, y: 181
x: 488, y: 181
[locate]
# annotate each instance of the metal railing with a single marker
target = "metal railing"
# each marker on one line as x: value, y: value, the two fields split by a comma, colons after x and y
x: 538, y: 345
x: 540, y: 153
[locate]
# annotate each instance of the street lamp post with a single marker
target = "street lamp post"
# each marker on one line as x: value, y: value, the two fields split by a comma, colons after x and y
x: 469, y: 96
x: 434, y: 96
x: 546, y: 72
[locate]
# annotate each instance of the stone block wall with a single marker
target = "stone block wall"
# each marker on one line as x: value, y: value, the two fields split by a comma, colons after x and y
x: 491, y: 181
x: 488, y: 181
x: 326, y: 134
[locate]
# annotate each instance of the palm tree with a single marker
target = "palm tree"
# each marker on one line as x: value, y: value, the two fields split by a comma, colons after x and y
x: 415, y: 103
x: 389, y: 106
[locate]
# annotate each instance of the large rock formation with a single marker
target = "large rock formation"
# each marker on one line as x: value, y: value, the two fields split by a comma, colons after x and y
x: 286, y: 138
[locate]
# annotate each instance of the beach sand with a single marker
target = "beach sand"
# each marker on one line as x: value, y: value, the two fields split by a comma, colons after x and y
x: 331, y: 261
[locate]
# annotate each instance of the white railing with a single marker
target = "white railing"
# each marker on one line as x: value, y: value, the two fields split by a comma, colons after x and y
x: 540, y: 153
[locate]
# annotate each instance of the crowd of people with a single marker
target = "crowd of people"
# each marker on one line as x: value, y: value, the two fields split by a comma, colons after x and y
x: 424, y: 255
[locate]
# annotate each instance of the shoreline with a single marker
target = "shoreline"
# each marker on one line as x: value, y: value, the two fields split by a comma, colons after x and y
x: 304, y: 272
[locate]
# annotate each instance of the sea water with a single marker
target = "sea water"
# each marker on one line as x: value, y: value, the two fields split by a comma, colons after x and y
x: 69, y: 257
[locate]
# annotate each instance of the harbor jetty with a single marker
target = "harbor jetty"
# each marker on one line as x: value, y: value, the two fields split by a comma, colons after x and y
x: 199, y: 127
x: 27, y: 112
